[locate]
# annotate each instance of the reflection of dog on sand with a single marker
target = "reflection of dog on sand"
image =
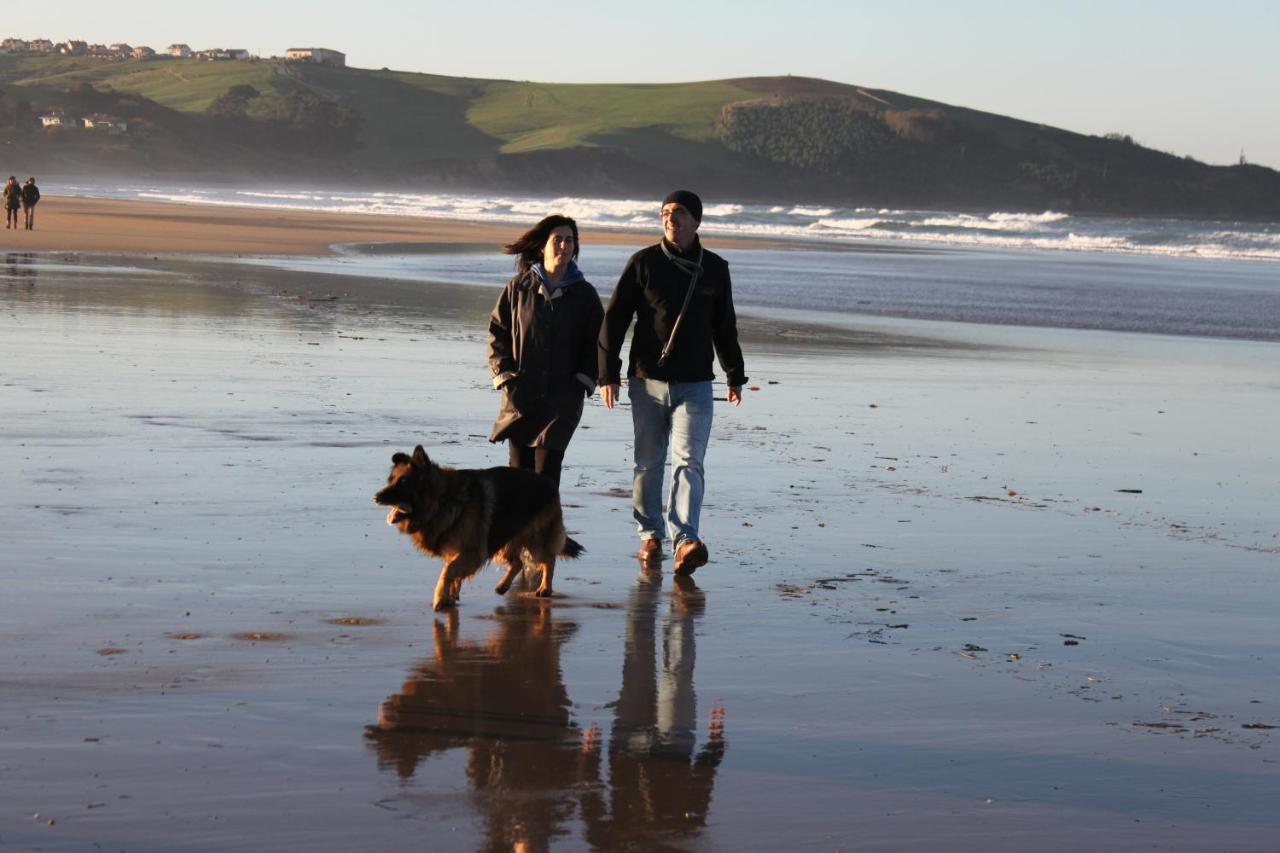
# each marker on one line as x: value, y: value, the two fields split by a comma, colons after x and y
x: 470, y: 516
x: 498, y: 693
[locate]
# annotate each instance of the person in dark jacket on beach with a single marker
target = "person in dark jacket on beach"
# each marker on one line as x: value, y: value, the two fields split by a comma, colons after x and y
x: 30, y: 197
x: 681, y: 299
x: 542, y: 347
x: 12, y: 201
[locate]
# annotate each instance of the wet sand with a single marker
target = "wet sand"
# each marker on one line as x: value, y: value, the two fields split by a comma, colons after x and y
x: 939, y: 611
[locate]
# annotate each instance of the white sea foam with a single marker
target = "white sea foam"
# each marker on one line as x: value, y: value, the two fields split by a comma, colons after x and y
x: 992, y: 222
x: 810, y: 211
x: 1047, y: 216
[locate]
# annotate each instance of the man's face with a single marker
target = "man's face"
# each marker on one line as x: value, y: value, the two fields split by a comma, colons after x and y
x: 678, y: 225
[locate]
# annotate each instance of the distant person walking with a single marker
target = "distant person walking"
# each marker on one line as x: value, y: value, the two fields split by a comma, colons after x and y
x: 12, y: 201
x: 30, y: 197
x: 682, y: 302
x: 542, y: 347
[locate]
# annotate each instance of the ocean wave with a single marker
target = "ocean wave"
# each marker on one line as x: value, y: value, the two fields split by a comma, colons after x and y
x: 845, y: 224
x: 1242, y: 237
x: 810, y: 211
x: 721, y: 210
x: 994, y: 222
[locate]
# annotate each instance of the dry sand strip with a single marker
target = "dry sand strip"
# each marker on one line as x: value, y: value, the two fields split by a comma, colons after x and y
x: 68, y: 224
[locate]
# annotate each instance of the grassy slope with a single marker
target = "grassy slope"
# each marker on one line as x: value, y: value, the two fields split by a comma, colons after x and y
x: 451, y: 116
x: 534, y: 116
x: 186, y: 85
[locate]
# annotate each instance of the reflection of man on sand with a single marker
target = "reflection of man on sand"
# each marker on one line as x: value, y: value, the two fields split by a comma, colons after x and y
x: 658, y: 787
x: 504, y: 699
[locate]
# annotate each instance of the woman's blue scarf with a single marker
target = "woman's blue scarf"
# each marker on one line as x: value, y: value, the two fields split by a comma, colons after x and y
x: 572, y: 275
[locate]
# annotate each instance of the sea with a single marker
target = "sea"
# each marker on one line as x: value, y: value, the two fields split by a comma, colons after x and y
x: 1053, y: 269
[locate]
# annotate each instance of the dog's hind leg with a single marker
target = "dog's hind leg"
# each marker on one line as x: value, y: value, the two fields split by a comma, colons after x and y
x: 548, y: 567
x: 458, y: 568
x: 511, y: 558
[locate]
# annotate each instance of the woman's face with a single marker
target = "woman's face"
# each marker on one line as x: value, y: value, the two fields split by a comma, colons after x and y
x: 558, y: 250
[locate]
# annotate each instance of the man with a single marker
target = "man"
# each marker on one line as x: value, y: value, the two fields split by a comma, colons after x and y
x: 30, y: 197
x: 682, y: 301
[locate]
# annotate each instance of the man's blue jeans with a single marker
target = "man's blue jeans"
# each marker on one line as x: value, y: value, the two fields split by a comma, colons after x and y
x: 678, y: 415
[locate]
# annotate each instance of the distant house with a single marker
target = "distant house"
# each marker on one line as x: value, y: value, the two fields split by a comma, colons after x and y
x: 143, y: 52
x: 52, y: 120
x: 107, y: 123
x: 17, y: 45
x: 321, y: 55
x: 73, y: 48
x: 181, y: 51
x: 222, y: 54
x: 122, y: 49
x: 102, y: 51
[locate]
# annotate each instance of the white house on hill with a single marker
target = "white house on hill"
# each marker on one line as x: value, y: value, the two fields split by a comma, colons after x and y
x: 322, y: 55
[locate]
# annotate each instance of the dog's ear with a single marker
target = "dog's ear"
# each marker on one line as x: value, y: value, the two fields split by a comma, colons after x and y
x: 399, y: 459
x: 420, y: 459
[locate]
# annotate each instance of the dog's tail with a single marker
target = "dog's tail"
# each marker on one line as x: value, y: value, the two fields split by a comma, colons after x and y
x: 571, y: 548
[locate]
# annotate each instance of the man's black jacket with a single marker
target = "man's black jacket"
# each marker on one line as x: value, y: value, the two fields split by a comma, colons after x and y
x: 652, y: 289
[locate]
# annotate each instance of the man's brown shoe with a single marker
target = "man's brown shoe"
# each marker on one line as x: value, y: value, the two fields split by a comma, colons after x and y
x: 689, y: 556
x: 650, y: 549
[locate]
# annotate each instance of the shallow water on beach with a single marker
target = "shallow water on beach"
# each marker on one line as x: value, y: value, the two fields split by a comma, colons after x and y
x: 1178, y: 296
x: 1014, y: 590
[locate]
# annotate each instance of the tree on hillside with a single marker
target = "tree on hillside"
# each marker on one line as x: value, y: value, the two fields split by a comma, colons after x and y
x: 804, y: 133
x: 313, y: 124
x: 233, y: 103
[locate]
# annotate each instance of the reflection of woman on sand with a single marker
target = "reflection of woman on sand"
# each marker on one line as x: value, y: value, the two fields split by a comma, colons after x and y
x: 542, y: 346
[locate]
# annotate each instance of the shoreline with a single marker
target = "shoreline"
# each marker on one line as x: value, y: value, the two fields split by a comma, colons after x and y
x: 129, y: 227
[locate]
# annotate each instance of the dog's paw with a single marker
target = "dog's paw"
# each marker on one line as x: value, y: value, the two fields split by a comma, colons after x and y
x: 501, y: 589
x: 443, y: 604
x: 543, y: 592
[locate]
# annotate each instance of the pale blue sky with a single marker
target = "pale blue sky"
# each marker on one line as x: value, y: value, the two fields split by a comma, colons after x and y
x: 1198, y: 78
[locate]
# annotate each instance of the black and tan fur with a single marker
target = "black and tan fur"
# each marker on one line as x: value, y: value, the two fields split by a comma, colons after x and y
x: 471, y: 516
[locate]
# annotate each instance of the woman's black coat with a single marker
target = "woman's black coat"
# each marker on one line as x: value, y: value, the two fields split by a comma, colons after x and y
x: 542, y: 354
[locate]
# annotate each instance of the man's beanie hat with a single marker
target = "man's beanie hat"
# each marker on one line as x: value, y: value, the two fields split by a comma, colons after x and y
x: 686, y: 199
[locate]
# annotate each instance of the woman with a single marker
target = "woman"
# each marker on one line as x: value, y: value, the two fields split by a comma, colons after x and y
x: 12, y: 201
x: 542, y: 346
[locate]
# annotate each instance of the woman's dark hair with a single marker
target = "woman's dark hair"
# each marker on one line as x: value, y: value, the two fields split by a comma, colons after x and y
x: 528, y: 246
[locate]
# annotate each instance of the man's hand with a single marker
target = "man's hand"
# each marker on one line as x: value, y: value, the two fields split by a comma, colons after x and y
x: 609, y: 394
x: 735, y: 394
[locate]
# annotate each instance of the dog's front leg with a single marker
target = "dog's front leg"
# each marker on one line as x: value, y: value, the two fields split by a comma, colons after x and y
x: 457, y: 569
x: 446, y: 588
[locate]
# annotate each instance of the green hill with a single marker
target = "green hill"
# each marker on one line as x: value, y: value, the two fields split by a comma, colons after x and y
x: 786, y: 138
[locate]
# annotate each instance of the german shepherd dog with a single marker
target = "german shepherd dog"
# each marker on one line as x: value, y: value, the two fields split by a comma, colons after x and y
x: 471, y: 516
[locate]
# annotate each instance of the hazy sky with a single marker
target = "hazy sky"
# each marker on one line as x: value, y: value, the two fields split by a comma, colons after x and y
x: 1198, y: 78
